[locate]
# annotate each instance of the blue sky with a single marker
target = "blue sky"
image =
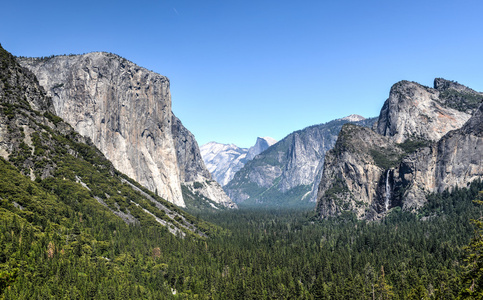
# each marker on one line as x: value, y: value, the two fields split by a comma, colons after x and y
x: 242, y: 69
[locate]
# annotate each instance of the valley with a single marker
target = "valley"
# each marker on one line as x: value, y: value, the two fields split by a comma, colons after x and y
x: 105, y: 194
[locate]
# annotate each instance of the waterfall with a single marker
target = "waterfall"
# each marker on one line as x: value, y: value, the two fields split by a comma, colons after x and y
x: 388, y: 191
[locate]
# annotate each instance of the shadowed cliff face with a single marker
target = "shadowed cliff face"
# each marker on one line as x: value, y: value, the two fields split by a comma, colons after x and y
x: 193, y: 172
x: 424, y: 141
x: 126, y: 111
x: 354, y: 176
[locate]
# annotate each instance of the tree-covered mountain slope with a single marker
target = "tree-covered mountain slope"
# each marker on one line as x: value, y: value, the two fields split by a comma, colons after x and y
x: 45, y: 148
x: 60, y: 197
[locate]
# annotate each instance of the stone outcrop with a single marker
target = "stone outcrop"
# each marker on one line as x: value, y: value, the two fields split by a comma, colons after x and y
x: 261, y: 145
x: 288, y: 172
x: 456, y: 160
x: 355, y: 172
x: 425, y: 141
x: 193, y: 172
x: 417, y: 112
x: 126, y: 111
x: 457, y: 96
x: 72, y: 170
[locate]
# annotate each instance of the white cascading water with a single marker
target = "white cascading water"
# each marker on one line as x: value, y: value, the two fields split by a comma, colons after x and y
x: 388, y: 191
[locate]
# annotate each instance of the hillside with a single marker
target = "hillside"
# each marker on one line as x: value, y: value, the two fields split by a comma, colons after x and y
x: 63, y: 201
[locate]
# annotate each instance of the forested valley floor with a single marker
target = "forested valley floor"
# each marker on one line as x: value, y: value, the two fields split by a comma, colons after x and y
x: 56, y: 250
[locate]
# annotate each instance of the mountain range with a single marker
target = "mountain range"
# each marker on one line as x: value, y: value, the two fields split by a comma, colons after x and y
x: 426, y: 140
x: 73, y: 225
x: 288, y: 172
x: 368, y: 166
x: 224, y: 160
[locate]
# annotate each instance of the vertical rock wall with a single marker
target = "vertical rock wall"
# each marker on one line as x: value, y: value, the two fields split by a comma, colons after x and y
x: 126, y: 111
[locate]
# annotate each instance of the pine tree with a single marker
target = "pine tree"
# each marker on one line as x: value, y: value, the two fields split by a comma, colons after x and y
x: 473, y: 278
x: 382, y: 290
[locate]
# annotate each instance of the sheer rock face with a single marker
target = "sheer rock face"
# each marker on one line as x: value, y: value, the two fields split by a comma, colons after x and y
x: 456, y: 160
x: 353, y: 178
x: 291, y: 169
x: 125, y: 110
x: 418, y: 112
x: 193, y: 172
x: 401, y: 161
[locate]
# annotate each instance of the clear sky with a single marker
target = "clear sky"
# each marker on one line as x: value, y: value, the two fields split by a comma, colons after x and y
x: 242, y: 69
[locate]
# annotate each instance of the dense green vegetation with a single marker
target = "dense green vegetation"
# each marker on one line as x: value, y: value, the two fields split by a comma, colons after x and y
x: 72, y: 227
x: 461, y: 100
x: 55, y: 246
x: 197, y: 203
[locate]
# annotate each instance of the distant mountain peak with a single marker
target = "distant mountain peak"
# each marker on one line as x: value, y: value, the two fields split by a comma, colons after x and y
x: 224, y: 160
x: 261, y: 145
x: 352, y: 118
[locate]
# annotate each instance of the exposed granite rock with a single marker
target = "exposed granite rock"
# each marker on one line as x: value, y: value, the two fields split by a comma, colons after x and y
x: 123, y: 108
x: 188, y: 154
x: 41, y: 145
x: 126, y: 111
x: 20, y: 94
x: 417, y: 112
x: 19, y: 86
x: 456, y: 160
x: 457, y: 96
x: 223, y: 160
x: 352, y: 118
x: 354, y: 176
x: 413, y: 151
x: 193, y: 172
x: 288, y: 172
x: 261, y: 145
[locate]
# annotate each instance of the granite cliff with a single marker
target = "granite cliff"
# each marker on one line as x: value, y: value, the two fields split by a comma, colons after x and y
x: 425, y: 140
x: 194, y: 174
x: 68, y: 174
x: 454, y: 161
x: 418, y: 112
x: 126, y: 111
x: 288, y: 172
